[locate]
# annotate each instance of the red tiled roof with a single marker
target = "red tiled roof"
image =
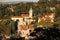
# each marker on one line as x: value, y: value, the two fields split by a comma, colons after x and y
x: 22, y: 16
x: 25, y: 15
x: 30, y: 26
x: 24, y: 27
x: 17, y: 17
x: 47, y: 17
x: 41, y: 19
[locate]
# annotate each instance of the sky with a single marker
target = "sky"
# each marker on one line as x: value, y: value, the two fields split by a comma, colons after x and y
x: 19, y: 0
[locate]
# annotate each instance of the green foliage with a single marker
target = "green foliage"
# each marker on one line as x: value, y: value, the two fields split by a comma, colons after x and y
x: 21, y: 8
x: 57, y: 23
x: 57, y: 11
x: 6, y: 26
x: 35, y: 25
x: 46, y: 23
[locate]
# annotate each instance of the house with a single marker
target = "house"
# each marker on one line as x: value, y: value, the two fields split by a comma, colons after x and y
x: 41, y: 19
x: 52, y: 8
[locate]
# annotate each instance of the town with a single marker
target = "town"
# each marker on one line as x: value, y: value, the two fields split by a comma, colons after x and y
x: 30, y: 20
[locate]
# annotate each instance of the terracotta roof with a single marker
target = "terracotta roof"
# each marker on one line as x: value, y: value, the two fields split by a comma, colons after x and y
x: 22, y: 16
x: 41, y: 18
x: 30, y: 26
x: 47, y: 17
x: 17, y: 17
x: 24, y: 27
x: 25, y: 15
x: 52, y: 14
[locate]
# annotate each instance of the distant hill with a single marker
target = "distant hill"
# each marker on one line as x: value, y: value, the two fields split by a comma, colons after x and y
x: 16, y: 1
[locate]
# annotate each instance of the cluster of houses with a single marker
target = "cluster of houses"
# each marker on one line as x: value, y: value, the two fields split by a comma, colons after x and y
x: 47, y: 17
x: 24, y: 23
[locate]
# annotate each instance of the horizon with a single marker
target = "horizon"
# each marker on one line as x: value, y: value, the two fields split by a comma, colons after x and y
x: 19, y: 0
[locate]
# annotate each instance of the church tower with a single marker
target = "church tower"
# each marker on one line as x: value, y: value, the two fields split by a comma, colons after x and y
x: 30, y: 12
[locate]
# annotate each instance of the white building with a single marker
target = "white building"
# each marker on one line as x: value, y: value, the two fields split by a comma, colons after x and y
x: 24, y: 19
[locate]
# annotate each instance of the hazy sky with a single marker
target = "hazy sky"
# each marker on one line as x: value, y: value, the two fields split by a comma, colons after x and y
x: 19, y: 0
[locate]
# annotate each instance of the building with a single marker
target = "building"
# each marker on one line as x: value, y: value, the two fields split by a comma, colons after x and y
x: 24, y: 22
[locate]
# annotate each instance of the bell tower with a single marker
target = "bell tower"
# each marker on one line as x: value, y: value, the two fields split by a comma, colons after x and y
x: 30, y: 12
